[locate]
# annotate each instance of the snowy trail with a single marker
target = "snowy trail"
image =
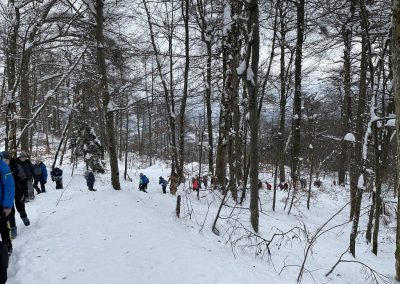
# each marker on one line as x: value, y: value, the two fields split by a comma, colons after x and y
x: 119, y: 237
x: 129, y: 237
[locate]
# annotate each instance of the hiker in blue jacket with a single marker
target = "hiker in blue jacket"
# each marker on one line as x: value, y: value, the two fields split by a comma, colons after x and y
x: 7, y: 190
x: 163, y: 183
x: 40, y: 175
x: 143, y: 182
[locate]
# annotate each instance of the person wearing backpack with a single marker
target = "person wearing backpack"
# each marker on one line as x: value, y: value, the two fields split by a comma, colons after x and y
x: 56, y: 175
x: 90, y: 180
x: 40, y: 176
x: 7, y: 191
x: 143, y: 182
x: 26, y: 174
x: 21, y: 194
x: 163, y: 183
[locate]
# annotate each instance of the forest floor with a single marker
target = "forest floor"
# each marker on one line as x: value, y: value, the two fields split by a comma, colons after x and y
x: 128, y: 236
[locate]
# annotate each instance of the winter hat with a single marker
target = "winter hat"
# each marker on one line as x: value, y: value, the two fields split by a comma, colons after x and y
x: 5, y: 155
x: 141, y: 174
x: 23, y: 155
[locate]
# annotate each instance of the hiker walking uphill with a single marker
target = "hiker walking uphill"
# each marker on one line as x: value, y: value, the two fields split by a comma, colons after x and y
x: 143, y: 182
x: 56, y: 175
x: 21, y: 195
x: 90, y: 180
x: 40, y: 171
x: 7, y: 191
x: 163, y: 183
x: 25, y: 174
x: 195, y: 186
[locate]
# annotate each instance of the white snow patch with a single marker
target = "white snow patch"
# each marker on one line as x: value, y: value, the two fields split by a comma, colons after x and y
x: 242, y: 67
x: 360, y: 183
x: 391, y: 123
x: 349, y: 137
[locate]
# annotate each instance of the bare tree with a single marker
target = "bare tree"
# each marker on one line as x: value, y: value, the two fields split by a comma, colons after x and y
x: 105, y: 94
x: 253, y: 56
x: 296, y: 120
x: 396, y: 78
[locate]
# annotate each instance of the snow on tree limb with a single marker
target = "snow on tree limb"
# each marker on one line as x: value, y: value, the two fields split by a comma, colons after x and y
x: 50, y: 94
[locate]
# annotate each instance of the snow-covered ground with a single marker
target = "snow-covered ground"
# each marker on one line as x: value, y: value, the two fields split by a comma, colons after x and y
x: 127, y: 236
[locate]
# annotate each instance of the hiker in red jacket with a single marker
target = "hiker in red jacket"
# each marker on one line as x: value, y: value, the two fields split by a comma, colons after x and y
x: 195, y: 186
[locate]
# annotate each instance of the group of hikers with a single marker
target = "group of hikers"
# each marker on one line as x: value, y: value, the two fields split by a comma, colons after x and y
x: 285, y: 186
x: 19, y: 179
x: 196, y: 183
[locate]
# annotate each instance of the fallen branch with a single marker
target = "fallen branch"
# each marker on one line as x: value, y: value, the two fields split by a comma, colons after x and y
x: 314, y: 238
x: 370, y: 273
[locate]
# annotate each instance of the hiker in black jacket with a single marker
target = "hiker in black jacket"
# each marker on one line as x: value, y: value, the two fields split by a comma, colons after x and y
x: 90, y: 179
x: 25, y: 174
x: 21, y: 195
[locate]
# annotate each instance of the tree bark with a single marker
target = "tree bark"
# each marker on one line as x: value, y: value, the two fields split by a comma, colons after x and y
x: 252, y: 84
x: 357, y: 159
x: 282, y: 102
x: 296, y: 122
x: 231, y: 57
x: 105, y: 94
x: 378, y: 185
x: 396, y: 78
x: 182, y: 114
x: 25, y: 94
x: 346, y: 103
x: 206, y: 37
x: 11, y: 123
x: 209, y: 111
x: 126, y: 145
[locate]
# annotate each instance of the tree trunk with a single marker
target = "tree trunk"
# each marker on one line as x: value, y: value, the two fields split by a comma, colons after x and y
x: 310, y: 176
x: 120, y: 142
x: 282, y: 102
x: 231, y: 58
x: 63, y: 137
x: 150, y: 114
x: 126, y: 145
x: 252, y: 84
x: 296, y: 122
x: 368, y: 233
x: 25, y: 96
x: 396, y: 78
x: 139, y: 140
x: 182, y: 114
x: 346, y: 103
x: 378, y: 185
x: 11, y: 124
x: 209, y: 111
x: 206, y: 37
x: 358, y: 162
x: 102, y: 69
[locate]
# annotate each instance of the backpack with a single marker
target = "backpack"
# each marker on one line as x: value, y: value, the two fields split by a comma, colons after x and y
x: 37, y: 170
x: 145, y: 180
x: 21, y: 173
